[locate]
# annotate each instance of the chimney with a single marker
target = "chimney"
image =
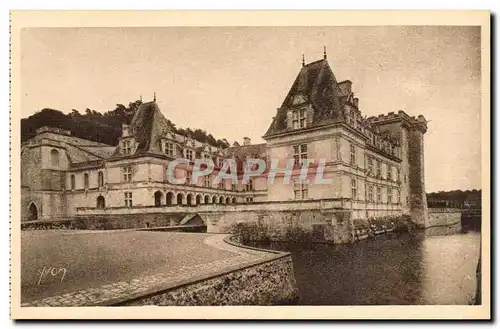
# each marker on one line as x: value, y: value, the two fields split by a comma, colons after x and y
x: 246, y: 141
x: 125, y: 130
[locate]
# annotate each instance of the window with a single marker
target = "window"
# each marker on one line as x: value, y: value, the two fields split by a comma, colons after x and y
x: 370, y: 193
x: 168, y: 148
x: 354, y: 189
x: 353, y: 154
x: 350, y: 117
x: 302, y: 118
x: 379, y: 168
x: 299, y: 118
x: 300, y: 189
x: 207, y: 181
x: 370, y: 165
x: 127, y: 147
x: 221, y: 184
x: 100, y: 179
x: 398, y: 177
x: 207, y: 157
x: 399, y: 196
x: 72, y: 181
x: 299, y: 153
x: 234, y: 187
x: 379, y: 194
x: 100, y: 202
x: 220, y: 162
x: 406, y: 200
x: 189, y: 154
x: 389, y: 172
x: 249, y: 186
x: 86, y: 180
x: 405, y: 180
x: 249, y: 199
x: 54, y: 158
x: 127, y: 174
x: 189, y: 177
x: 389, y: 195
x: 128, y: 199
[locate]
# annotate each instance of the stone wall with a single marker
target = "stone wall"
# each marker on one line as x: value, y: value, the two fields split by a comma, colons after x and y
x: 108, y: 222
x: 302, y: 226
x: 267, y: 283
x: 444, y: 216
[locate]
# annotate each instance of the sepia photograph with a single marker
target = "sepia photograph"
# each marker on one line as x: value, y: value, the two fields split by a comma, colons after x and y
x: 272, y: 166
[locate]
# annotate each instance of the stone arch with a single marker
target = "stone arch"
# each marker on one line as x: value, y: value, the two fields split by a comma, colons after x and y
x: 214, y: 199
x: 189, y: 200
x: 221, y: 199
x: 234, y: 200
x: 32, y: 211
x: 169, y: 199
x: 228, y: 200
x: 54, y: 158
x: 158, y: 197
x: 207, y: 199
x: 180, y: 198
x: 100, y: 202
x: 198, y: 199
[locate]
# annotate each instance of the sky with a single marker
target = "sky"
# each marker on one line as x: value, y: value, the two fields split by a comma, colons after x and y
x: 230, y: 81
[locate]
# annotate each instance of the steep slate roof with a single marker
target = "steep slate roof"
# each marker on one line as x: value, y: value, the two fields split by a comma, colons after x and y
x: 318, y: 84
x: 148, y: 126
x: 253, y: 150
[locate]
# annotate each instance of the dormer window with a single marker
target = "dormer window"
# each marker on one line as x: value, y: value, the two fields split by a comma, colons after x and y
x: 189, y: 154
x: 168, y: 148
x: 220, y: 162
x: 299, y: 118
x: 127, y: 147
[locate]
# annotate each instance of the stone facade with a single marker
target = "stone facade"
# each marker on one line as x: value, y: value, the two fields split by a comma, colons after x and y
x: 377, y: 162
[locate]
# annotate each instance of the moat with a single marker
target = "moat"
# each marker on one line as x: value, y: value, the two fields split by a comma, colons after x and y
x: 387, y: 270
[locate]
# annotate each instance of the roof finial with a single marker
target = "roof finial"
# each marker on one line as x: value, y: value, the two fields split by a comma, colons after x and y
x: 154, y: 98
x: 303, y: 60
x: 324, y: 52
x: 140, y: 98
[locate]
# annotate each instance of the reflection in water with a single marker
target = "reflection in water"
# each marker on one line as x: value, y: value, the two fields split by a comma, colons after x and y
x: 387, y: 270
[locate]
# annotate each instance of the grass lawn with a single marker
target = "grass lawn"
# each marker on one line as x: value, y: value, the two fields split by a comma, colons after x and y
x: 95, y: 258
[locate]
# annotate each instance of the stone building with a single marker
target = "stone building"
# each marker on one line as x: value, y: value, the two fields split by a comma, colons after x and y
x: 376, y: 163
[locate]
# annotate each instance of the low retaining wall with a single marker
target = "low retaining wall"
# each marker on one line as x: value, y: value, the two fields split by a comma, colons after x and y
x: 107, y: 222
x: 444, y: 221
x: 267, y: 283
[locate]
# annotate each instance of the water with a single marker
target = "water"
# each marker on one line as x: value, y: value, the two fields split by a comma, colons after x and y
x: 387, y: 270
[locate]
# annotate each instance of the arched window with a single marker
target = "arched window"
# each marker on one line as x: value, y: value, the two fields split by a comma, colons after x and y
x: 221, y: 199
x: 86, y: 180
x: 198, y: 199
x: 100, y: 179
x: 100, y: 202
x: 158, y: 197
x: 207, y: 199
x: 170, y: 198
x: 180, y: 199
x: 234, y: 200
x: 33, y: 212
x: 190, y: 199
x: 72, y: 181
x: 214, y: 199
x: 228, y: 200
x: 54, y: 157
